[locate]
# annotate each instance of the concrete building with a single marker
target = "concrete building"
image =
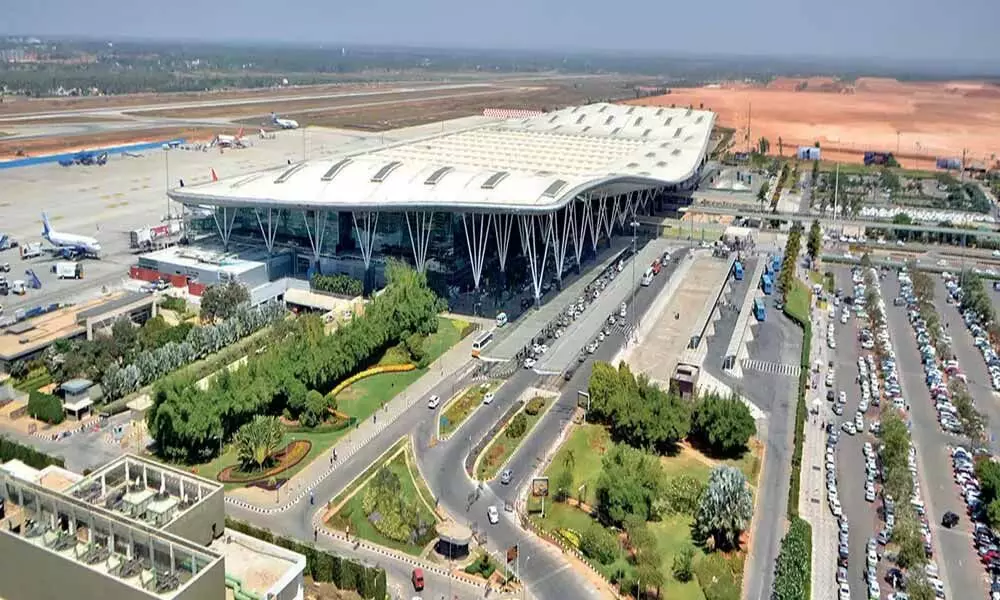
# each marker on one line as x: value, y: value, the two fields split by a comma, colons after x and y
x: 133, y: 529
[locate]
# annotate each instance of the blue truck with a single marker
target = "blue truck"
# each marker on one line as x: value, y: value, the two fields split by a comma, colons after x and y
x: 738, y: 271
x: 766, y: 284
x: 759, y: 312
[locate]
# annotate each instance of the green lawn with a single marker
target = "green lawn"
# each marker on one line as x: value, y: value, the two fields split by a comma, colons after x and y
x: 587, y: 444
x: 353, y: 514
x: 672, y: 535
x: 798, y: 301
x: 503, y: 446
x: 459, y: 410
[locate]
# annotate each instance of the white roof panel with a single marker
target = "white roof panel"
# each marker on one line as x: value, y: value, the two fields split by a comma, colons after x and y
x: 585, y: 146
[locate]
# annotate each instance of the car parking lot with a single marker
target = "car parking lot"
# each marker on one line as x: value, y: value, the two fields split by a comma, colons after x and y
x: 960, y: 570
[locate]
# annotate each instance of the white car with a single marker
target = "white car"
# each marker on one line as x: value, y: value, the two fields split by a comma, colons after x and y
x: 859, y: 421
x: 434, y: 401
x: 493, y: 514
x: 488, y: 398
x: 844, y: 592
x: 621, y: 311
x: 529, y: 363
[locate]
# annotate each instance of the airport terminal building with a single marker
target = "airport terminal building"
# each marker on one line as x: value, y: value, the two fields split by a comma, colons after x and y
x: 492, y: 205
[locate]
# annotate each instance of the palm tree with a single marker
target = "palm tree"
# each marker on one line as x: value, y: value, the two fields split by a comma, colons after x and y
x: 569, y: 459
x: 257, y: 440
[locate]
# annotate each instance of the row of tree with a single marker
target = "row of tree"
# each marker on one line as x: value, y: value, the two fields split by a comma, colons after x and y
x: 345, y: 285
x: 977, y: 299
x: 815, y: 242
x: 190, y: 423
x: 793, y: 567
x: 792, y: 248
x: 120, y: 380
x: 641, y: 414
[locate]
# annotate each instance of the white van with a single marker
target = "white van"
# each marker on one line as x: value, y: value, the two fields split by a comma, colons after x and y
x: 647, y: 277
x: 501, y: 319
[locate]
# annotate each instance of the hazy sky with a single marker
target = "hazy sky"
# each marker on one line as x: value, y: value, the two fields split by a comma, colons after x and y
x: 897, y: 29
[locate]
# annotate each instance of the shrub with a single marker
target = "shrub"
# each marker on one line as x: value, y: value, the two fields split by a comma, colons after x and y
x: 10, y: 450
x: 178, y: 305
x: 682, y: 567
x: 535, y: 406
x: 518, y: 425
x: 680, y: 496
x: 716, y: 578
x: 482, y: 566
x: 599, y: 544
x: 792, y: 568
x: 344, y: 285
x: 45, y: 407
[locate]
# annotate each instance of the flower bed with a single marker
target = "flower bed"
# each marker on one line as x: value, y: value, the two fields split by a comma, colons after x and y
x: 287, y: 457
x: 368, y: 373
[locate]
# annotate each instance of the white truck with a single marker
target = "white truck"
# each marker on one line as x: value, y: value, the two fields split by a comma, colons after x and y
x: 31, y: 250
x: 144, y: 237
x: 68, y: 270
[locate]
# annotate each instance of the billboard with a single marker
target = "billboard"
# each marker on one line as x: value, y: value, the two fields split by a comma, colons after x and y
x: 878, y: 158
x: 807, y: 153
x: 949, y: 163
x: 540, y: 487
x: 741, y: 156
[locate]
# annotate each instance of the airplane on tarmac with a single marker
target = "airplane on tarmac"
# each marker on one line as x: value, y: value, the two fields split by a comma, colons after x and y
x: 284, y: 123
x: 229, y: 141
x: 69, y: 244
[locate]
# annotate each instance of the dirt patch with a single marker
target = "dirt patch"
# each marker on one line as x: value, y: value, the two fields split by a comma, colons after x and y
x: 20, y: 148
x: 58, y: 120
x: 917, y: 121
x: 285, y: 459
x: 326, y: 591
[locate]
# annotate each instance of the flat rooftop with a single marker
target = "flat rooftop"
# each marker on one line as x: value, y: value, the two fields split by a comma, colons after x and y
x: 538, y: 163
x: 260, y: 567
x: 158, y: 563
x: 235, y: 262
x: 143, y: 491
x: 32, y: 334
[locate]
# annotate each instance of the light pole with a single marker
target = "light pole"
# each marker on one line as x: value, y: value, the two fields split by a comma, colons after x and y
x: 635, y: 258
x: 166, y: 177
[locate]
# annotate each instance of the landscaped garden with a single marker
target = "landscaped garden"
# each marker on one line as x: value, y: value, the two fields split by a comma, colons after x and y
x: 459, y: 409
x: 665, y: 485
x: 508, y: 440
x: 387, y: 506
x: 291, y: 379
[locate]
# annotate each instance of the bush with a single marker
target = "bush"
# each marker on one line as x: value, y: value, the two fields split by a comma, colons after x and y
x: 680, y: 496
x: 792, y: 569
x: 344, y: 285
x: 599, y: 544
x: 535, y: 406
x: 482, y: 566
x: 10, y: 450
x: 178, y: 305
x: 682, y: 567
x: 45, y: 407
x: 518, y: 425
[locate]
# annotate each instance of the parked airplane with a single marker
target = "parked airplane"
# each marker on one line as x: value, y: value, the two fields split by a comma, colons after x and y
x: 69, y: 243
x: 284, y: 123
x: 229, y: 141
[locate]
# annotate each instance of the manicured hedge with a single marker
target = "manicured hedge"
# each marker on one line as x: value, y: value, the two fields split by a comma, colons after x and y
x: 10, y: 450
x: 45, y: 407
x: 792, y: 569
x: 337, y: 284
x: 368, y: 373
x: 368, y: 582
x: 800, y: 406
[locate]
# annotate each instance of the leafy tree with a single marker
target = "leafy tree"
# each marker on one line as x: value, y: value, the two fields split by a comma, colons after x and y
x: 906, y: 534
x: 45, y: 407
x: 220, y: 301
x: 763, y: 145
x: 681, y: 494
x: 19, y: 369
x: 518, y: 425
x: 793, y: 565
x: 723, y: 424
x: 725, y: 508
x: 815, y: 243
x: 988, y: 474
x: 917, y: 587
x: 682, y: 566
x: 563, y: 484
x: 598, y: 543
x: 902, y: 219
x: 629, y: 482
x: 314, y: 411
x: 257, y: 441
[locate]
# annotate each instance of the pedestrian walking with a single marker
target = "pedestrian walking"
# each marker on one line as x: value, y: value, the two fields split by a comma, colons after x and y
x: 315, y: 534
x: 312, y: 497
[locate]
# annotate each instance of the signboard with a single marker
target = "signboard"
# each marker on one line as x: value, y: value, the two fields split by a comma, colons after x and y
x: 807, y: 153
x: 949, y: 163
x: 512, y: 554
x: 540, y: 487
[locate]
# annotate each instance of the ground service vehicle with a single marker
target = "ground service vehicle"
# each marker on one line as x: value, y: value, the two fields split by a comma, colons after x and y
x: 766, y: 284
x: 68, y: 270
x: 481, y: 341
x: 759, y: 312
x: 738, y: 271
x: 31, y: 250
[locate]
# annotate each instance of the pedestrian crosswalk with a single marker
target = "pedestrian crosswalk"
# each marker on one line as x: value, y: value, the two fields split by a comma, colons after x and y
x: 771, y: 368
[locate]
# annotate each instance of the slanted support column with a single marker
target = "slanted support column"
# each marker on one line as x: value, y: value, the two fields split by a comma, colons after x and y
x: 420, y: 239
x: 317, y: 232
x: 606, y: 217
x: 477, y: 242
x: 536, y: 260
x: 576, y: 228
x: 502, y: 225
x: 226, y: 227
x: 627, y: 211
x: 271, y: 232
x: 560, y: 238
x: 589, y: 222
x: 365, y: 224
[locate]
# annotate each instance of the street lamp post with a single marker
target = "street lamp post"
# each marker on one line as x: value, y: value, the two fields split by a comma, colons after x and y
x: 635, y: 257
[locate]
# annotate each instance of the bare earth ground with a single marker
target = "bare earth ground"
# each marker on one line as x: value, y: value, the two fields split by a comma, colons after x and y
x: 56, y: 120
x: 90, y: 141
x: 933, y: 119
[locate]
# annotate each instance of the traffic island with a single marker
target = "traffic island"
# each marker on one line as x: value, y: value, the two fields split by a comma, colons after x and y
x: 505, y: 443
x: 461, y: 406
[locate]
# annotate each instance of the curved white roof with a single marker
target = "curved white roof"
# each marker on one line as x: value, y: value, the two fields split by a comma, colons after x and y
x: 533, y: 164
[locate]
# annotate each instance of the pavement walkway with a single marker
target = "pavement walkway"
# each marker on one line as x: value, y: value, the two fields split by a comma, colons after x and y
x: 456, y: 359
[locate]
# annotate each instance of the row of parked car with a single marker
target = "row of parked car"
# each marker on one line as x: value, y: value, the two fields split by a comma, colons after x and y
x: 934, y: 367
x: 975, y: 324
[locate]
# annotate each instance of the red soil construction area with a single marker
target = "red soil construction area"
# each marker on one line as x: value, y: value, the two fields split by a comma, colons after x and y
x: 917, y: 121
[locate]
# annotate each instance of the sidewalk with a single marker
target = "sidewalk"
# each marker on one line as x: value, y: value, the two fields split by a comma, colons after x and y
x: 449, y: 363
x: 812, y: 489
